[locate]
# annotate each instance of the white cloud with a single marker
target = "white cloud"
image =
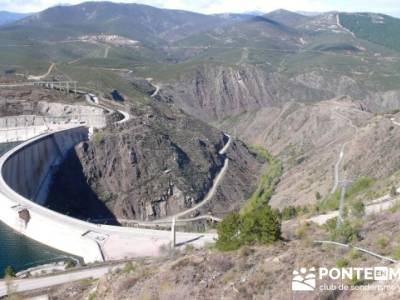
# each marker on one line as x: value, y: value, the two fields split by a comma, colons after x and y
x: 219, y: 6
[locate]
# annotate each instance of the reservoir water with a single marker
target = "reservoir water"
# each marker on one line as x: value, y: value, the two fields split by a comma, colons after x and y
x: 19, y: 251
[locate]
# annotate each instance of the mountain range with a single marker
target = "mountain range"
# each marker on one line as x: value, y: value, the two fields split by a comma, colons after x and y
x: 237, y: 72
x: 7, y: 17
x: 229, y: 115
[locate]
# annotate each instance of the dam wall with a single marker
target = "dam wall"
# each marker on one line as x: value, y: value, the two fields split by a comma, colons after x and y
x: 27, y: 172
x: 23, y: 127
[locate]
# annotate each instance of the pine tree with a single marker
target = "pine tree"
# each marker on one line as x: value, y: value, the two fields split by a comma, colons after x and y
x: 228, y: 233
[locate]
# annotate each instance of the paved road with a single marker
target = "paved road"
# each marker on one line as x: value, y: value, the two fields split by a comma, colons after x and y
x: 23, y: 285
x: 94, y: 100
x: 161, y: 222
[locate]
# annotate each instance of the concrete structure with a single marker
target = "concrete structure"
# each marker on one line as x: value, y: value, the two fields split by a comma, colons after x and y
x: 63, y: 86
x: 26, y: 175
x: 24, y: 127
x: 28, y: 169
x: 29, y: 284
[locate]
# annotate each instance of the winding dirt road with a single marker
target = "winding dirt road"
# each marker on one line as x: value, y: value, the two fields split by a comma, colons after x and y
x: 40, y: 77
x: 341, y: 154
x: 375, y: 206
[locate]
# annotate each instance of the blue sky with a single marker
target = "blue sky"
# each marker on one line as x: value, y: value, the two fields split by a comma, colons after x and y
x: 391, y: 7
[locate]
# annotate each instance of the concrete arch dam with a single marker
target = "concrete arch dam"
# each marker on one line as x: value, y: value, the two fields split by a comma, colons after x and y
x: 26, y: 176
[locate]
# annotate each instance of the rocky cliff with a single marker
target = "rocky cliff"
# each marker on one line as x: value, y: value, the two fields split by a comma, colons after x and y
x: 308, y: 138
x: 160, y: 163
x: 215, y: 92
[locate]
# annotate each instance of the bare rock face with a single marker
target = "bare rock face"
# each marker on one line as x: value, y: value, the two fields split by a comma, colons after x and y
x: 215, y: 92
x: 160, y: 163
x: 309, y: 138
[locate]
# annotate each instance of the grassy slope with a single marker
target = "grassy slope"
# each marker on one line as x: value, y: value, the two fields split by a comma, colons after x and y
x: 380, y: 29
x: 268, y: 181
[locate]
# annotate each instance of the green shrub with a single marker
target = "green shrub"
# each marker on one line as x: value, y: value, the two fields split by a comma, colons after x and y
x: 259, y: 226
x: 395, y: 207
x: 331, y: 202
x: 266, y: 185
x: 345, y: 233
x: 228, y: 233
x: 98, y: 138
x: 9, y: 271
x: 92, y: 296
x: 355, y: 254
x: 393, y: 191
x: 396, y: 252
x: 129, y: 267
x: 341, y: 262
x: 70, y: 264
x: 107, y: 196
x: 330, y: 225
x: 383, y: 242
x: 358, y: 209
x: 289, y: 212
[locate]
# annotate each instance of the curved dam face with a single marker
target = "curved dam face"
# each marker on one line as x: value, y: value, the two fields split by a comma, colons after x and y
x: 26, y: 176
x: 27, y: 172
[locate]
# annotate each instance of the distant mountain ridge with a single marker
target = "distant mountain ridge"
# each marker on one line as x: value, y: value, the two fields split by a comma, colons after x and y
x: 140, y: 22
x: 7, y: 17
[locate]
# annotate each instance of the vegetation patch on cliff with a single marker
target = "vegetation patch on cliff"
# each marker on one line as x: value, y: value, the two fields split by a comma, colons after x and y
x: 331, y: 202
x: 268, y: 181
x: 256, y: 223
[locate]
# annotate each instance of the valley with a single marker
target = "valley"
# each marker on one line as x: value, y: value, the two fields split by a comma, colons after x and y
x: 278, y: 130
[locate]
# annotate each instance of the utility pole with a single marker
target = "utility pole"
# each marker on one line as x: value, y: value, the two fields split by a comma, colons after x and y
x: 173, y: 234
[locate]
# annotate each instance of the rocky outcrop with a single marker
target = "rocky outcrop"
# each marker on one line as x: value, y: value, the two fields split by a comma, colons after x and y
x: 215, y: 92
x: 308, y: 139
x: 160, y: 163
